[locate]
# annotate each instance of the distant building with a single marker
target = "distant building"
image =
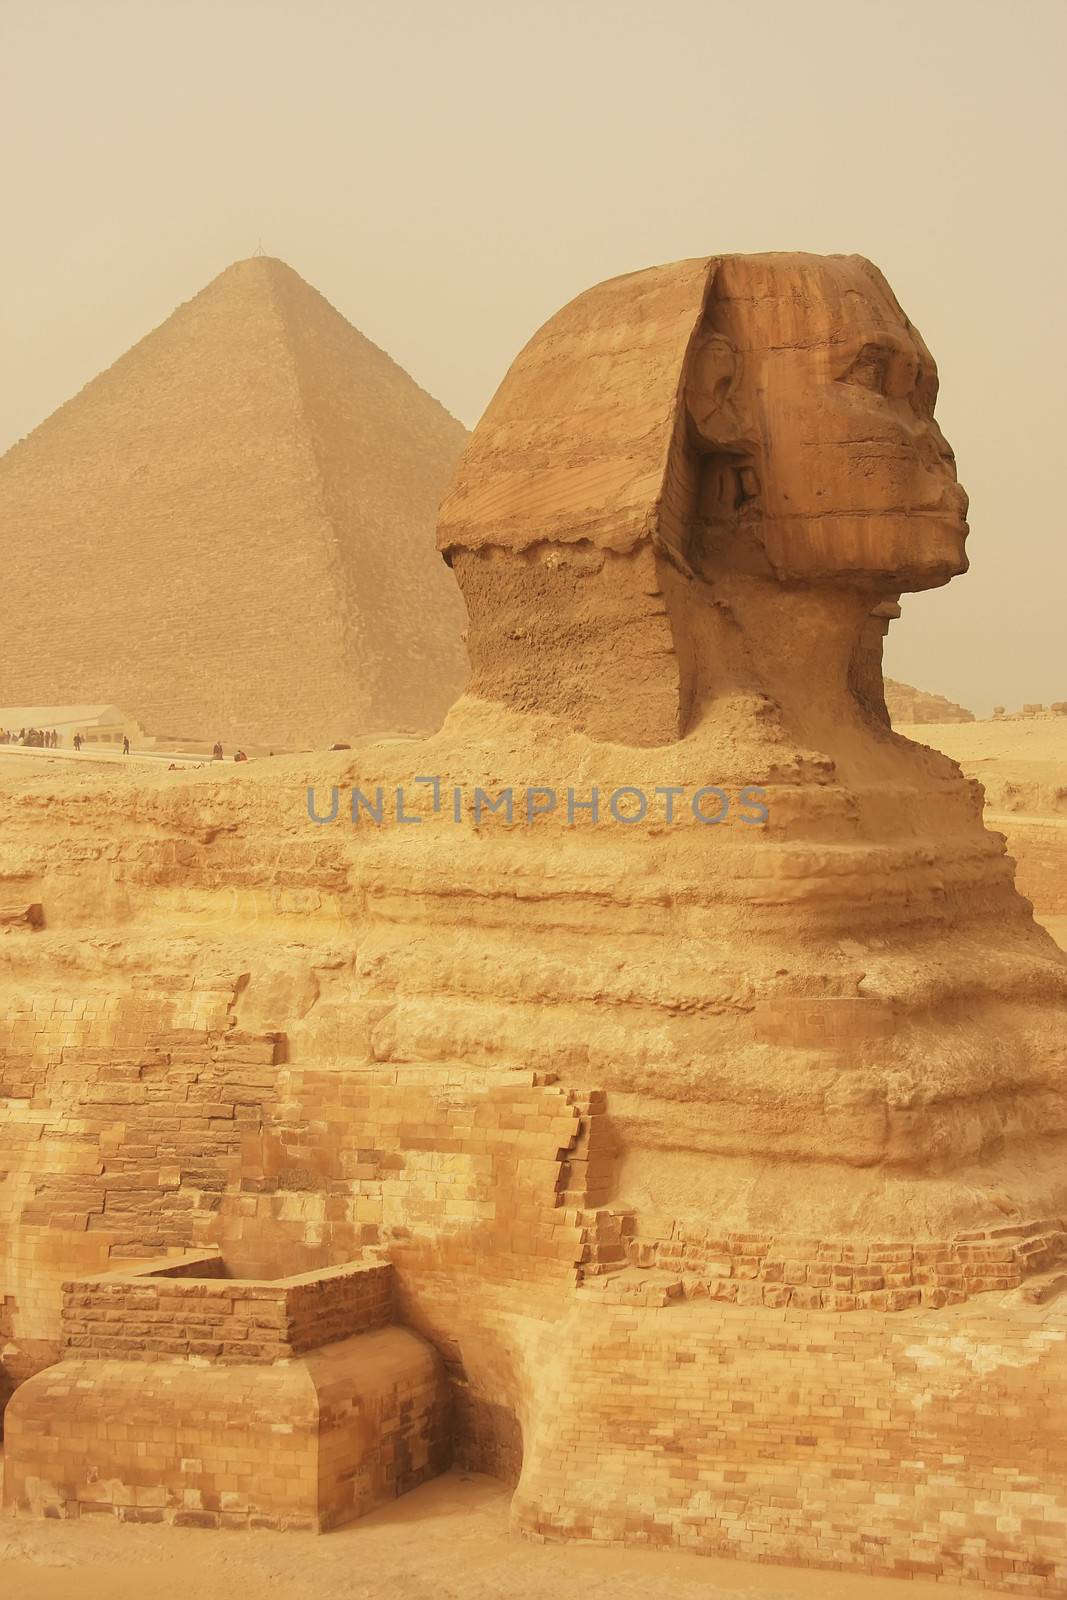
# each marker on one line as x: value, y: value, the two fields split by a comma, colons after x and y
x: 100, y: 725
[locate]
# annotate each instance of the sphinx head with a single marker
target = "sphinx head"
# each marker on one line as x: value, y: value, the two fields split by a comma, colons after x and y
x: 811, y: 400
x: 688, y: 473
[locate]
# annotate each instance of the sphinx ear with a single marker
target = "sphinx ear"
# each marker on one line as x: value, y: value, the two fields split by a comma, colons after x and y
x: 712, y: 392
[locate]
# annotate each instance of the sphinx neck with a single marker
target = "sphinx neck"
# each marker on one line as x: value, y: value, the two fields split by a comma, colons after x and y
x: 805, y: 648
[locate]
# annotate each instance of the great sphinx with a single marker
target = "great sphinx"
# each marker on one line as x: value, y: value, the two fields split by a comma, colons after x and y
x: 723, y: 1166
x: 683, y: 525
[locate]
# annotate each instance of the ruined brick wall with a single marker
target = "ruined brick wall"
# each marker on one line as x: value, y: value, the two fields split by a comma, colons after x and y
x: 108, y: 1153
x: 141, y: 1316
x: 391, y: 1386
x: 305, y: 1444
x: 486, y: 1167
x: 159, y: 1132
x: 475, y: 1185
x: 781, y: 1434
x: 762, y: 1426
x: 229, y: 1446
x: 841, y: 1274
x: 926, y: 1445
x: 209, y: 1140
x: 335, y: 1302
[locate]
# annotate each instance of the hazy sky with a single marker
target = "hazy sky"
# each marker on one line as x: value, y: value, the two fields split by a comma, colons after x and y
x: 448, y: 174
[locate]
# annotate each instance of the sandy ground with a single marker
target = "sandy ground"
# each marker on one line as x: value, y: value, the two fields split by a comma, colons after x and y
x: 1008, y: 744
x: 1022, y: 764
x: 446, y: 1541
x: 18, y: 760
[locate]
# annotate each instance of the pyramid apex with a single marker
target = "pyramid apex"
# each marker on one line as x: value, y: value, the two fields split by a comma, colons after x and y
x: 264, y: 263
x: 259, y: 275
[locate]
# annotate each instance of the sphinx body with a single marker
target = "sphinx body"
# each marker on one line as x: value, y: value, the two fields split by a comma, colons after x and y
x: 688, y: 1068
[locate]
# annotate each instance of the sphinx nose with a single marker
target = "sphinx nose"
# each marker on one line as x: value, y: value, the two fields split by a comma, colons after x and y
x: 956, y: 498
x: 944, y: 464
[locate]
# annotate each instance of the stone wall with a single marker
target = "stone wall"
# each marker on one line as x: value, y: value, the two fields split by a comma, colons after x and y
x: 163, y: 1310
x: 306, y: 1444
x: 108, y: 1152
x: 210, y: 1139
x: 489, y: 1192
x: 930, y: 1444
x: 206, y: 1140
x: 841, y: 1274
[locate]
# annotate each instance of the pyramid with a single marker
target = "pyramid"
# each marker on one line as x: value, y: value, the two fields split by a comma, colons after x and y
x: 230, y: 532
x: 908, y: 705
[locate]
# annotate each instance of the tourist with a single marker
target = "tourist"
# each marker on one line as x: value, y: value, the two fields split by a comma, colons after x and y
x: 125, y: 744
x: 216, y: 754
x: 77, y: 741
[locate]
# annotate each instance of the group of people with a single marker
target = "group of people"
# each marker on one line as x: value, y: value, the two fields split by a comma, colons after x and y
x: 47, y: 739
x: 42, y: 738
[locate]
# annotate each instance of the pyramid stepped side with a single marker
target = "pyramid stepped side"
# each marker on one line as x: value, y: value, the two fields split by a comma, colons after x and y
x: 168, y: 539
x: 908, y: 705
x: 385, y: 450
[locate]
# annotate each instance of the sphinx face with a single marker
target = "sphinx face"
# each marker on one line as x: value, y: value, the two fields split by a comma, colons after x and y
x: 856, y: 482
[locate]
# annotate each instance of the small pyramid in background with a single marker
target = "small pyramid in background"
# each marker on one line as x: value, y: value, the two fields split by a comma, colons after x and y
x: 907, y: 705
x: 230, y: 532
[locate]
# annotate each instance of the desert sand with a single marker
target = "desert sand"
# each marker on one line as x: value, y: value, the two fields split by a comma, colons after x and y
x: 1021, y: 764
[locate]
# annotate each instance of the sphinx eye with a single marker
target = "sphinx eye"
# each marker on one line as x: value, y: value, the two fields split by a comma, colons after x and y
x: 870, y: 369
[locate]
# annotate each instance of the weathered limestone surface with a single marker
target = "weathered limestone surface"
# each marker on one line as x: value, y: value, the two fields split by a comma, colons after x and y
x: 1021, y: 763
x: 230, y: 531
x: 643, y: 1113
